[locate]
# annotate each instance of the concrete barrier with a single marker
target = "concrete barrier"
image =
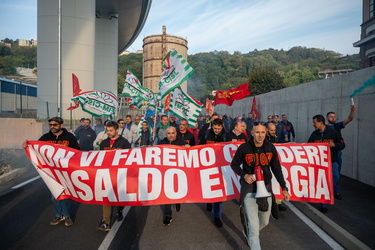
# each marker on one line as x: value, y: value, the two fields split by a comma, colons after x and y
x: 14, y: 131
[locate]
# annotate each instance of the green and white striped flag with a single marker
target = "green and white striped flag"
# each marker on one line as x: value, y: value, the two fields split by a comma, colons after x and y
x: 185, y: 106
x: 133, y: 88
x: 136, y: 101
x: 151, y: 100
x: 176, y: 70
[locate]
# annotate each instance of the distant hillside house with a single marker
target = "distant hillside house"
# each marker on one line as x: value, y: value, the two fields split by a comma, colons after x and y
x: 27, y: 43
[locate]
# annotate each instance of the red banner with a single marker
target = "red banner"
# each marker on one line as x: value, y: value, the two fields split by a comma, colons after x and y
x: 76, y: 91
x: 227, y: 97
x: 254, y: 110
x: 169, y: 174
x: 209, y: 108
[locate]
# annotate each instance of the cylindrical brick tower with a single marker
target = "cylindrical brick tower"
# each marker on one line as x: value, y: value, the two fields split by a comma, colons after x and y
x: 155, y: 48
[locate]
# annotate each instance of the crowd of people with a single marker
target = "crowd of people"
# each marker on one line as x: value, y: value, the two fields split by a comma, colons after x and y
x: 257, y: 137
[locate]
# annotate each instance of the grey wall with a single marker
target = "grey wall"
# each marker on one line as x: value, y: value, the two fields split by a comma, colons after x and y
x: 302, y: 102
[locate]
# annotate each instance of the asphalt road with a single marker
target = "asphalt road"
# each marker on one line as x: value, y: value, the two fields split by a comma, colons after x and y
x: 25, y: 214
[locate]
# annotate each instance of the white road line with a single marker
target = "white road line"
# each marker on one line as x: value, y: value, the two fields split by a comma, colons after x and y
x: 331, y: 242
x: 26, y: 182
x: 112, y: 233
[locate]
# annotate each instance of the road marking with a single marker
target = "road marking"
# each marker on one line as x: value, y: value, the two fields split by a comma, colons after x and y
x: 328, y: 239
x: 112, y: 233
x: 26, y: 182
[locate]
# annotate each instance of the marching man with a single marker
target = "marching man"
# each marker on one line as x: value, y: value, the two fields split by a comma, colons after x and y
x: 257, y: 153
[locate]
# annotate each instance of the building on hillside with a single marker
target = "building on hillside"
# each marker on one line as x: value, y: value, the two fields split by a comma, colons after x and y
x: 5, y: 44
x: 332, y: 73
x: 125, y: 52
x: 367, y: 42
x: 27, y: 43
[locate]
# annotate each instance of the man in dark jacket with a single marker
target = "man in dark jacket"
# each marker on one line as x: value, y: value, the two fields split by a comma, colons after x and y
x: 86, y: 136
x: 215, y: 134
x: 61, y: 136
x: 237, y: 134
x: 171, y: 139
x: 335, y: 142
x: 114, y: 141
x: 289, y: 128
x: 185, y: 134
x: 145, y: 137
x: 255, y: 153
x: 207, y: 126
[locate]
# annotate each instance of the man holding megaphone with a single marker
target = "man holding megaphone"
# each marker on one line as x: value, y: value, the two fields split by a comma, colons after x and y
x: 258, y: 157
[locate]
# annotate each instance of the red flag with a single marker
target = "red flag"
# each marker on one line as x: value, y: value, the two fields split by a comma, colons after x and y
x: 227, y: 97
x: 167, y: 103
x: 76, y: 91
x: 209, y: 108
x: 254, y: 110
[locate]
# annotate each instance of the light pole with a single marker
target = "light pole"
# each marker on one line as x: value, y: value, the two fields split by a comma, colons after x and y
x: 21, y: 99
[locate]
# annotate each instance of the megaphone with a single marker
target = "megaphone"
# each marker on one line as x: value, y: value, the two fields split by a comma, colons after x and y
x: 261, y: 187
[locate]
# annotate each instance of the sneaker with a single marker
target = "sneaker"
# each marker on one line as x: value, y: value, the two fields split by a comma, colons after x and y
x: 167, y: 221
x: 56, y: 220
x: 324, y: 209
x: 338, y: 196
x: 281, y: 207
x: 68, y: 221
x: 209, y: 207
x: 103, y: 227
x: 218, y: 222
x: 178, y: 207
x: 120, y: 217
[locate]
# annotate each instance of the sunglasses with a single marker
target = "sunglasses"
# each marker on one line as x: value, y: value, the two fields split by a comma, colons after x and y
x: 53, y: 124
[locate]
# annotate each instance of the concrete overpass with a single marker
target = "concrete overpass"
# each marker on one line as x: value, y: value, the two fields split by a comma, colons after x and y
x: 83, y: 37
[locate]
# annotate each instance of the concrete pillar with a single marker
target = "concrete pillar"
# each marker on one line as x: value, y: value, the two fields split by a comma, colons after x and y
x: 106, y: 54
x: 78, y: 52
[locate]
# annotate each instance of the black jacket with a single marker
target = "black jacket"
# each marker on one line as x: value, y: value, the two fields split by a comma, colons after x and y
x: 188, y: 137
x: 250, y: 156
x: 329, y: 134
x: 178, y: 142
x: 66, y: 139
x: 120, y: 143
x: 210, y: 137
x: 240, y: 138
x: 86, y: 138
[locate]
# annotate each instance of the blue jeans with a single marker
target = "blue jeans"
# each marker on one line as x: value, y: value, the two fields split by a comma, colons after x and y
x: 339, y: 160
x: 62, y: 207
x: 336, y: 177
x: 218, y: 209
x: 256, y: 220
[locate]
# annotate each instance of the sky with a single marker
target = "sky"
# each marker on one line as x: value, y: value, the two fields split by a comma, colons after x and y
x: 229, y: 25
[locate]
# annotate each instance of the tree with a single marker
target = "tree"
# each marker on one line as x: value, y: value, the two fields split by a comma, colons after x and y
x: 263, y: 80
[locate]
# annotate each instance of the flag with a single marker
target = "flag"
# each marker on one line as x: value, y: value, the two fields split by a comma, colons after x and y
x: 254, y: 110
x: 185, y: 107
x: 167, y: 103
x: 151, y: 100
x: 132, y: 87
x: 227, y: 97
x: 98, y: 103
x: 76, y: 91
x: 136, y: 101
x: 149, y: 112
x: 209, y: 108
x: 176, y: 70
